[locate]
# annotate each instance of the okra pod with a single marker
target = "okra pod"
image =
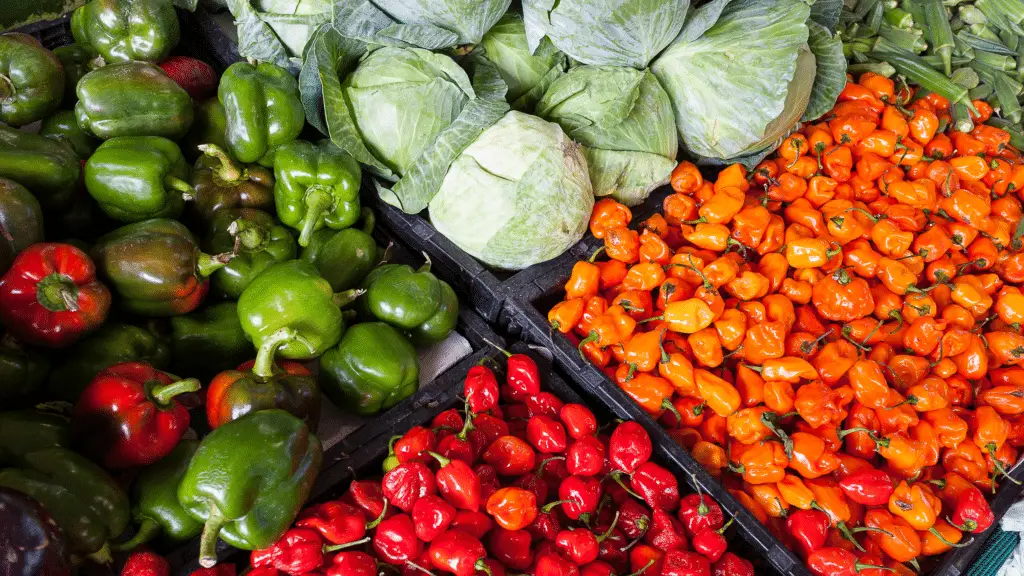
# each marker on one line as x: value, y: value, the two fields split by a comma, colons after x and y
x: 962, y: 118
x: 941, y: 34
x: 996, y: 61
x: 911, y: 66
x: 971, y: 15
x: 880, y: 68
x: 985, y: 44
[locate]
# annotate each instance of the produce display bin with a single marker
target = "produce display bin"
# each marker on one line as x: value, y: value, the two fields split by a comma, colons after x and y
x: 525, y: 317
x: 365, y: 458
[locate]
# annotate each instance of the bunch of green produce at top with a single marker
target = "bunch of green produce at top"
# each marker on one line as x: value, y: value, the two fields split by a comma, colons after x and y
x: 964, y: 51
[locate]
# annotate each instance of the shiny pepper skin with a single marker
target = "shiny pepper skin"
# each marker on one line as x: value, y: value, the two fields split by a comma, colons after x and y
x: 481, y: 389
x: 395, y: 540
x: 432, y: 516
x: 698, y: 511
x: 512, y: 508
x: 629, y: 447
x: 407, y: 483
x: 457, y: 552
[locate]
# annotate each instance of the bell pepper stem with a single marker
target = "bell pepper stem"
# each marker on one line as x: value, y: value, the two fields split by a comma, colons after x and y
x: 208, y: 541
x: 207, y: 264
x: 247, y: 234
x: 163, y: 394
x: 57, y: 293
x: 228, y: 173
x: 102, y: 556
x: 342, y: 299
x: 7, y: 91
x: 148, y: 530
x: 317, y: 201
x: 426, y: 263
x: 175, y: 183
x: 264, y: 364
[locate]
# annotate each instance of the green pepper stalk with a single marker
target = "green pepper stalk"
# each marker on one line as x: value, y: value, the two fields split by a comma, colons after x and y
x: 227, y: 173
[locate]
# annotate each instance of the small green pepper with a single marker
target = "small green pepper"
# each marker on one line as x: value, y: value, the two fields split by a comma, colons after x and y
x: 133, y: 99
x: 373, y: 368
x: 414, y: 301
x: 208, y: 341
x: 49, y: 169
x: 257, y: 242
x: 138, y: 177
x: 154, y: 498
x: 125, y: 30
x: 22, y: 374
x: 21, y: 221
x: 343, y: 257
x: 78, y: 60
x: 263, y: 110
x: 31, y: 80
x: 249, y: 479
x: 112, y: 344
x: 208, y: 127
x: 62, y: 126
x: 218, y: 182
x: 292, y: 295
x: 317, y: 185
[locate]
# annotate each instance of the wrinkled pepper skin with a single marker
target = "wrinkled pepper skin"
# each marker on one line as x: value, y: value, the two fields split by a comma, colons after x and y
x: 207, y: 340
x: 135, y: 178
x: 343, y: 257
x: 31, y: 80
x: 263, y: 110
x: 22, y: 374
x: 112, y: 344
x: 291, y: 295
x: 50, y: 170
x: 125, y: 30
x: 77, y: 60
x: 34, y: 542
x: 373, y: 368
x: 84, y: 500
x: 155, y: 267
x: 249, y: 479
x: 219, y: 183
x: 21, y: 218
x: 317, y: 185
x: 132, y: 99
x: 63, y: 127
x: 260, y: 243
x: 154, y: 498
x: 414, y: 301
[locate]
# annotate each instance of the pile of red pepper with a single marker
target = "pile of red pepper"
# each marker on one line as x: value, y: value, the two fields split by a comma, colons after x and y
x: 521, y: 482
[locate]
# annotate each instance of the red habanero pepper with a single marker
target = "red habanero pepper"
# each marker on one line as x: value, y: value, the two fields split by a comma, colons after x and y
x: 512, y: 508
x: 665, y: 533
x: 476, y: 524
x: 521, y: 373
x: 351, y: 563
x: 656, y: 485
x: 511, y: 548
x: 458, y: 553
x: 510, y: 456
x: 414, y: 444
x: 337, y: 522
x: 585, y: 457
x: 458, y: 483
x: 629, y: 447
x: 554, y: 565
x: 809, y: 529
x: 146, y: 564
x: 697, y: 511
x: 50, y: 295
x: 634, y: 519
x: 395, y: 540
x: 407, y: 483
x: 732, y: 565
x: 684, y: 563
x: 581, y: 545
x: 972, y: 513
x: 546, y: 434
x: 836, y: 562
x: 579, y: 495
x: 226, y: 569
x: 127, y: 416
x: 367, y: 496
x: 481, y: 389
x: 579, y: 421
x: 432, y: 516
x: 711, y: 543
x: 298, y: 551
x: 870, y: 487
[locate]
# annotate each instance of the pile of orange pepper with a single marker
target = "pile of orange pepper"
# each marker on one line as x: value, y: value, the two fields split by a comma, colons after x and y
x: 852, y: 303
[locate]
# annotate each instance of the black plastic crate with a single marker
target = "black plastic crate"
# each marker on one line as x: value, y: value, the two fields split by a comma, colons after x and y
x: 525, y: 317
x: 365, y: 458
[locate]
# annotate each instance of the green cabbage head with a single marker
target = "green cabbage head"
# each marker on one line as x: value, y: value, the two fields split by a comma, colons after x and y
x: 401, y: 99
x: 468, y: 19
x: 742, y: 85
x: 624, y: 120
x: 518, y: 195
x: 526, y: 75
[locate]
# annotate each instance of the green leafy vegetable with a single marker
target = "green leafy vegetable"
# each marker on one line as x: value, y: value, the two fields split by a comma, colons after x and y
x: 465, y: 21
x: 277, y: 30
x: 831, y: 77
x: 526, y: 75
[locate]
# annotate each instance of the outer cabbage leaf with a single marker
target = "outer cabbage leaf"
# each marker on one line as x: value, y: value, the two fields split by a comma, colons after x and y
x: 469, y: 20
x: 624, y: 120
x: 401, y: 99
x: 831, y: 77
x: 256, y: 38
x: 606, y: 32
x: 293, y: 21
x: 516, y: 196
x: 526, y: 74
x: 732, y: 87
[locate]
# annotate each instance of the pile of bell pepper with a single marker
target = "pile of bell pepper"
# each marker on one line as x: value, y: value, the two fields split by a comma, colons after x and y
x: 835, y: 334
x: 518, y: 482
x: 167, y: 244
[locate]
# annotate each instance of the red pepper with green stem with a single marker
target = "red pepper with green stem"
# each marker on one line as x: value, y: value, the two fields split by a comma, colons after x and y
x: 459, y: 553
x: 870, y: 487
x: 629, y: 447
x: 808, y: 529
x: 581, y: 545
x: 414, y: 445
x: 480, y: 389
x: 407, y: 483
x: 578, y: 495
x: 833, y: 561
x: 711, y: 543
x: 127, y: 416
x: 697, y: 511
x: 50, y: 296
x: 972, y: 512
x: 338, y: 522
x: 458, y: 483
x: 521, y: 372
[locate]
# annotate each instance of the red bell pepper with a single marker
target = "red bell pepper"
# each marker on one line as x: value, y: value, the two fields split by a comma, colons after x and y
x: 869, y: 486
x: 629, y: 447
x: 480, y: 389
x: 432, y: 516
x: 50, y: 295
x: 127, y: 416
x: 972, y: 513
x: 459, y: 553
x: 808, y: 529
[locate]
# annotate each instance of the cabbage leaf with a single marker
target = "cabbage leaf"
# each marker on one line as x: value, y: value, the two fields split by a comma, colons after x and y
x: 466, y: 21
x: 831, y: 77
x: 605, y: 32
x: 526, y: 74
x: 734, y: 87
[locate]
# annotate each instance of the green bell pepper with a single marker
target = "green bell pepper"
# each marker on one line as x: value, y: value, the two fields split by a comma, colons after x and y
x: 207, y: 341
x: 154, y: 498
x: 112, y: 344
x: 21, y: 221
x: 373, y: 368
x: 292, y: 295
x: 133, y: 99
x: 218, y: 183
x: 22, y: 374
x: 208, y: 127
x: 317, y: 185
x: 343, y: 257
x: 78, y: 60
x: 138, y: 177
x: 257, y: 241
x: 155, y: 267
x: 249, y: 479
x: 414, y: 301
x: 31, y: 80
x: 263, y: 110
x: 63, y: 127
x: 49, y: 169
x: 125, y: 30
x: 84, y: 500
